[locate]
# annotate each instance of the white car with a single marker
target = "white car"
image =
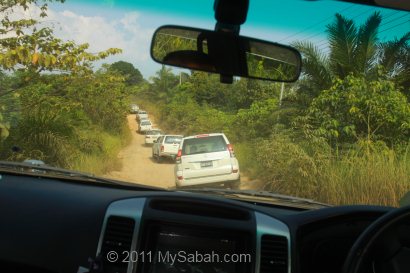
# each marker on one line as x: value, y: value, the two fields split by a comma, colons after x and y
x: 152, y: 135
x: 134, y: 109
x: 143, y: 119
x: 206, y: 159
x: 142, y: 114
x: 144, y: 126
x: 166, y: 146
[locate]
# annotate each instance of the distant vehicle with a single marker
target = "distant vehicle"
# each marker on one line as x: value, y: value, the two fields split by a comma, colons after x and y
x: 152, y: 135
x: 141, y: 114
x: 144, y: 126
x: 34, y: 162
x: 166, y: 146
x: 134, y: 109
x: 143, y: 119
x: 206, y: 159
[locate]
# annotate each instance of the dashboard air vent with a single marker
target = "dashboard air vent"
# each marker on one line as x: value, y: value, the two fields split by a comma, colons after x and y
x: 274, y: 254
x: 117, y: 237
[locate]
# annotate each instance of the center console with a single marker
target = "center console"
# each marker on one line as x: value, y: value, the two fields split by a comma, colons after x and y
x: 178, y: 234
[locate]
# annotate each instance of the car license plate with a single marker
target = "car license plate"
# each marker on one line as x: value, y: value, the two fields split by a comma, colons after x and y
x: 206, y: 164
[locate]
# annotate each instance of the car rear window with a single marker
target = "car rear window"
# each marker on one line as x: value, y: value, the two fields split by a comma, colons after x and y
x: 143, y: 112
x: 155, y: 133
x: 173, y: 139
x: 146, y: 123
x: 204, y: 145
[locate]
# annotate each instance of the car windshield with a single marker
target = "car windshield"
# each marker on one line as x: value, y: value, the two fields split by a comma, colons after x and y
x: 70, y: 70
x: 173, y: 139
x: 203, y: 145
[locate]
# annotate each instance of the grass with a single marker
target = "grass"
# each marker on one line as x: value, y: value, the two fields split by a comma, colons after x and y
x: 352, y: 178
x: 374, y: 179
x: 105, y: 160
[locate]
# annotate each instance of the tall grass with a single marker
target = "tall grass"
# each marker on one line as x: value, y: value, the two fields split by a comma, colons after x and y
x: 371, y: 179
x: 105, y: 159
x: 312, y: 170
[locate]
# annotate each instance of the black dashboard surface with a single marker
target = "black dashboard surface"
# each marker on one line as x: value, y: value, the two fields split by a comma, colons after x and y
x: 55, y: 225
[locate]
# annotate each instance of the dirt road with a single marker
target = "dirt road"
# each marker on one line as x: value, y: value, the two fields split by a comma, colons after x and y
x: 138, y: 166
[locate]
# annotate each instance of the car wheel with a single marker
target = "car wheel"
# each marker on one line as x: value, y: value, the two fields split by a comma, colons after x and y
x: 236, y: 185
x: 159, y: 159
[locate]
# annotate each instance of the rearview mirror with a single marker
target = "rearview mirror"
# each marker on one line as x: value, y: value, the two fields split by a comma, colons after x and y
x: 225, y: 53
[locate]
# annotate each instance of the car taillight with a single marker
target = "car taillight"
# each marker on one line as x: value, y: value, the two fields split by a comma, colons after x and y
x: 180, y: 177
x: 178, y: 157
x: 162, y: 148
x: 230, y: 149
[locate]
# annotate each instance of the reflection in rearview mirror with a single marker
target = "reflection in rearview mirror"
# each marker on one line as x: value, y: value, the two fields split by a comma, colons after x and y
x: 225, y: 53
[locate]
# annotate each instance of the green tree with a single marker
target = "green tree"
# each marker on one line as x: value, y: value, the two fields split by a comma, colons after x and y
x: 356, y: 109
x: 132, y: 74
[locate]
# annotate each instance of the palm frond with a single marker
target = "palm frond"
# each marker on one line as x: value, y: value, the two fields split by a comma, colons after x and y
x: 315, y: 65
x: 365, y: 52
x: 390, y: 53
x: 342, y: 35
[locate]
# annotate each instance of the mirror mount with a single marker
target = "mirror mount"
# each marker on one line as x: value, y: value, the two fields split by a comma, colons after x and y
x: 230, y: 15
x: 231, y: 12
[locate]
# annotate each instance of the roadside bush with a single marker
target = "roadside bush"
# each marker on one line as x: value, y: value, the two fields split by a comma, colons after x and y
x: 69, y: 121
x: 185, y: 116
x: 288, y: 168
x: 257, y: 121
x: 42, y: 136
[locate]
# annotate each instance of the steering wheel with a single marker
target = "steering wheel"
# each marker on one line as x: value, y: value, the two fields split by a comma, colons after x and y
x: 384, y: 247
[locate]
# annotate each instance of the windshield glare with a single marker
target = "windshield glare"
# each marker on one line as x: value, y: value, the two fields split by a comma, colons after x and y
x: 338, y: 135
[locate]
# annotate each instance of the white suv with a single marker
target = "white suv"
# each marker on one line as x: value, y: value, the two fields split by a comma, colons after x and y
x: 141, y: 114
x: 206, y: 159
x: 152, y: 135
x: 166, y: 146
x: 144, y: 126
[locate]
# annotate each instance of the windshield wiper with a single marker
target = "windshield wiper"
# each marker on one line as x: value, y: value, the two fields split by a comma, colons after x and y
x: 260, y: 194
x: 29, y: 168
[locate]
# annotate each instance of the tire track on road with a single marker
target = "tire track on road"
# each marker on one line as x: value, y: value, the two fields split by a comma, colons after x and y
x: 137, y: 164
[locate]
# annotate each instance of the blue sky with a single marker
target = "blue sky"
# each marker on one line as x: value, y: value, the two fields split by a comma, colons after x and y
x: 129, y: 24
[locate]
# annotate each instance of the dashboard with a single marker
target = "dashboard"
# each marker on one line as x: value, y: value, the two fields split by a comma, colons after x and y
x: 61, y: 225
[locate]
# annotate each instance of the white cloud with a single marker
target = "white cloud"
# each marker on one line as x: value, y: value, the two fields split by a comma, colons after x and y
x: 102, y: 33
